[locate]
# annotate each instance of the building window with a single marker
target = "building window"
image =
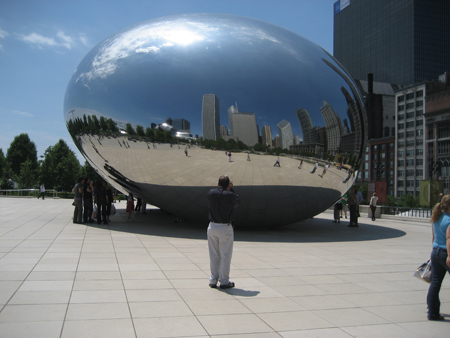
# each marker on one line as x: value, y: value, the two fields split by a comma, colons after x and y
x: 419, y: 132
x: 410, y: 162
x: 419, y: 172
x: 400, y: 184
x: 400, y: 173
x: 383, y: 147
x: 401, y: 126
x: 410, y: 124
x: 401, y: 108
x: 393, y: 131
x: 419, y: 161
x: 410, y: 184
x: 410, y: 115
x: 401, y: 163
x: 419, y: 93
x: 401, y: 153
x: 401, y: 117
x: 419, y: 112
x: 401, y: 135
x: 410, y: 96
x: 419, y: 141
x: 410, y: 133
x: 419, y: 104
x: 419, y: 151
x: 391, y: 145
x: 401, y: 98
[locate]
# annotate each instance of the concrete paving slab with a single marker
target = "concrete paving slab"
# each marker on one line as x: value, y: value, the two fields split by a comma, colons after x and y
x: 149, y: 277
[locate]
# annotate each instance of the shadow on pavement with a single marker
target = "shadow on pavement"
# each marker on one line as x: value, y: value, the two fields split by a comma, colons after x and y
x: 156, y: 223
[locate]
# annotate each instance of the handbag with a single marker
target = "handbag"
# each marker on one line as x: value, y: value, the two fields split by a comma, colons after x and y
x: 423, y: 272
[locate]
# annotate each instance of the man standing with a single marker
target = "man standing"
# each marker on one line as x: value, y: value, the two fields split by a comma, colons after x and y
x: 78, y: 199
x: 42, y: 191
x: 222, y: 201
x: 315, y: 167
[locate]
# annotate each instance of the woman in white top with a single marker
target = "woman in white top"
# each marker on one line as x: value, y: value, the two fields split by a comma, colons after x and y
x: 373, y: 204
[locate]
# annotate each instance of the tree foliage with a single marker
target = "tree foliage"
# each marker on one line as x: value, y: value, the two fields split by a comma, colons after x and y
x: 60, y: 168
x: 20, y: 150
x: 27, y: 176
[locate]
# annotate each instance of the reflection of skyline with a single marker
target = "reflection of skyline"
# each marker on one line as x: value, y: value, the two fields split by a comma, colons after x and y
x: 210, y: 117
x: 285, y: 131
x: 334, y: 127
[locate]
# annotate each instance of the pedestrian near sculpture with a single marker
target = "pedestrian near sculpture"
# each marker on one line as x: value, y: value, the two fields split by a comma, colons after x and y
x: 373, y: 204
x: 222, y: 201
x: 440, y: 260
x: 78, y: 195
x: 277, y: 162
x: 315, y: 167
x: 42, y: 191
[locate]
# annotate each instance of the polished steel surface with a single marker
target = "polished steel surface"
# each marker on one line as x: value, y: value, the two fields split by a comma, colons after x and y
x: 148, y: 105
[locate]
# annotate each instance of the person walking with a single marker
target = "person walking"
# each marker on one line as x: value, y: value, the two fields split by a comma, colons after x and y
x: 440, y: 260
x: 277, y: 162
x: 373, y: 204
x: 42, y: 191
x: 300, y: 165
x: 222, y: 201
x: 315, y: 167
x: 324, y: 170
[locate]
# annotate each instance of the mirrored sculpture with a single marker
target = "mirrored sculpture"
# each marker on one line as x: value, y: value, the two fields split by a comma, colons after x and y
x: 163, y: 108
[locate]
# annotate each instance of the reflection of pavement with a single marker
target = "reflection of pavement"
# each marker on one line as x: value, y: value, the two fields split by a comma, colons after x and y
x: 169, y: 166
x: 166, y: 177
x: 149, y: 278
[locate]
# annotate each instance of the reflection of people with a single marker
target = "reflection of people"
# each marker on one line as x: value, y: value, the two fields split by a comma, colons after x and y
x: 248, y: 156
x: 373, y: 204
x: 300, y: 165
x: 350, y: 172
x: 222, y: 201
x: 42, y: 191
x: 440, y: 260
x: 324, y: 170
x: 344, y: 205
x: 229, y: 156
x: 186, y: 151
x: 315, y: 167
x: 277, y: 162
x: 440, y: 196
x: 337, y: 211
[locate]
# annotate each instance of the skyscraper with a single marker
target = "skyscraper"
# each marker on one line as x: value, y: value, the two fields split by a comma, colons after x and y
x: 334, y: 127
x: 210, y: 117
x: 308, y: 130
x: 399, y: 41
x: 181, y: 124
x: 244, y: 128
x: 266, y: 136
x: 286, y: 136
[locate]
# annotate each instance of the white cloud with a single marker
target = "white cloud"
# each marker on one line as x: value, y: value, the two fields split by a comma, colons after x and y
x: 18, y: 112
x: 84, y: 40
x: 66, y: 41
x: 61, y: 40
x: 3, y: 34
x: 38, y: 40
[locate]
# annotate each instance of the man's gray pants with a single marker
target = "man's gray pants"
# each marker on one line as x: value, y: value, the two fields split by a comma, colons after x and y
x: 220, y: 244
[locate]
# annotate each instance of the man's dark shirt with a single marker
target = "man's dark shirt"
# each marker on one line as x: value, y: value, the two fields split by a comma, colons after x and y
x: 221, y: 205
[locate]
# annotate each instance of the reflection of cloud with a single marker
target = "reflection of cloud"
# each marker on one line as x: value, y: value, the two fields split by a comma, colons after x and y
x: 149, y: 38
x: 17, y: 112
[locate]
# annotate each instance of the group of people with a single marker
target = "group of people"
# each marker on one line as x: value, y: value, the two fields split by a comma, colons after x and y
x: 350, y: 202
x: 86, y: 195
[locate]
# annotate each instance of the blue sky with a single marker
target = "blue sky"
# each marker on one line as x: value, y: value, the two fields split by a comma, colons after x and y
x: 42, y: 42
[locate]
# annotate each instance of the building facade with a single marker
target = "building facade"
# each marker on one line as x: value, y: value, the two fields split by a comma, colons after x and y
x: 210, y: 117
x: 399, y: 41
x: 285, y: 132
x: 409, y: 140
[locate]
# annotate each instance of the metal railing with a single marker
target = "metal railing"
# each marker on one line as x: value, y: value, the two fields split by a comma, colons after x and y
x: 29, y: 193
x: 407, y: 212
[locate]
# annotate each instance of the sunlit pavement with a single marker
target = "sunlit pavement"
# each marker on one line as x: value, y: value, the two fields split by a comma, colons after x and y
x: 149, y: 278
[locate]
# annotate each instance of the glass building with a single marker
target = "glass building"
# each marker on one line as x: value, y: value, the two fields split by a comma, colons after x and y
x: 399, y: 41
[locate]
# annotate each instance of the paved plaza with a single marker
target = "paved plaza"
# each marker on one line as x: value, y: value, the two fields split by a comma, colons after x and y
x: 149, y: 278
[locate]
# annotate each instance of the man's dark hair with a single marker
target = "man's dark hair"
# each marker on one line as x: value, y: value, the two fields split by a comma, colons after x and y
x: 224, y: 181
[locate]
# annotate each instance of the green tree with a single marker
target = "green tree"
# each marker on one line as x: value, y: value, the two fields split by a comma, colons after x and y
x: 140, y: 130
x: 60, y: 168
x: 103, y: 124
x: 112, y: 126
x: 2, y: 164
x: 20, y: 150
x: 88, y: 171
x: 27, y: 176
x: 129, y: 129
